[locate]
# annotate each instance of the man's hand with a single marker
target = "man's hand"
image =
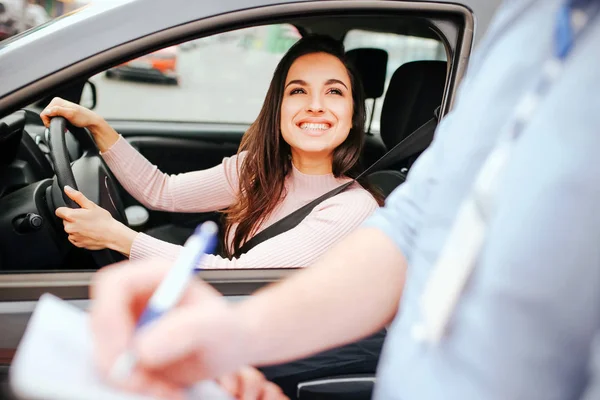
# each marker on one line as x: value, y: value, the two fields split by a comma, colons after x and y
x: 250, y: 384
x: 206, y: 337
x: 198, y: 339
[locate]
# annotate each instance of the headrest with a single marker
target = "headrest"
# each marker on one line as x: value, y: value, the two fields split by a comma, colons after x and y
x: 371, y: 65
x: 415, y: 91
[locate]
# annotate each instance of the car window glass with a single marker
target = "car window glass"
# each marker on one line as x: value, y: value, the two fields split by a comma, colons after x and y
x: 222, y: 78
x: 400, y: 48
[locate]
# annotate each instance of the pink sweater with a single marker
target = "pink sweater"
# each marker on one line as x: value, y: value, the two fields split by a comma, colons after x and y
x: 216, y: 188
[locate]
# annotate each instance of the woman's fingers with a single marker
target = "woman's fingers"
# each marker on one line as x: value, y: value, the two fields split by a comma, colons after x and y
x: 74, y: 113
x: 59, y: 101
x: 95, y: 226
x: 45, y: 114
x: 79, y: 198
x: 84, y: 243
x: 81, y: 242
x: 63, y: 213
x: 57, y: 111
x: 70, y: 214
x: 68, y: 227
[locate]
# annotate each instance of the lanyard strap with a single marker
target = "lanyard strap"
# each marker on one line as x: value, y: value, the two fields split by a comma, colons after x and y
x: 572, y: 18
x: 461, y: 250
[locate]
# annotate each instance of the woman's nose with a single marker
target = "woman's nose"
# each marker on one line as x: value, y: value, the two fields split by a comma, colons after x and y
x: 315, y: 104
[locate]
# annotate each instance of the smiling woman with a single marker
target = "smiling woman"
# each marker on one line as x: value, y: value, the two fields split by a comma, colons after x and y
x: 306, y: 141
x: 313, y: 133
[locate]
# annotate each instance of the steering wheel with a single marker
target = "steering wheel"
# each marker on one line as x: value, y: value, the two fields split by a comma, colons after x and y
x: 89, y: 174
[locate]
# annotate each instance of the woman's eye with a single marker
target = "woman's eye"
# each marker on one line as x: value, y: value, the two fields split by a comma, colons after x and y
x: 335, y: 91
x: 297, y: 91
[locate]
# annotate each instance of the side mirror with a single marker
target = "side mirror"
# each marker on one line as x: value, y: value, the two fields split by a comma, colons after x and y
x: 89, y: 95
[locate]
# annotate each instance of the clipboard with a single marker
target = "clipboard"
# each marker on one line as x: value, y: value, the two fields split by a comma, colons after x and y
x: 54, y: 360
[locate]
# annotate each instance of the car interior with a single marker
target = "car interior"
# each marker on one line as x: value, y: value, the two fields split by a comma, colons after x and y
x: 36, y: 162
x: 407, y: 101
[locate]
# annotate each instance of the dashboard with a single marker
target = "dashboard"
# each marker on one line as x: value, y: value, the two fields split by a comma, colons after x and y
x: 31, y: 236
x: 24, y: 151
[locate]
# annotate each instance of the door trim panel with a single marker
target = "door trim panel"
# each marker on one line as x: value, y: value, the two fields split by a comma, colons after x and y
x: 176, y: 143
x: 212, y: 132
x: 19, y: 294
x: 75, y: 285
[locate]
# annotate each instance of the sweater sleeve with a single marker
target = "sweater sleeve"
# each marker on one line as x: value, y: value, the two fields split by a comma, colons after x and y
x: 199, y: 191
x: 300, y: 247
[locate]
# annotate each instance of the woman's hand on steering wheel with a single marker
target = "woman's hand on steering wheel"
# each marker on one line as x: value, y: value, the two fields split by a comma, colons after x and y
x: 81, y: 117
x: 77, y: 115
x: 92, y: 227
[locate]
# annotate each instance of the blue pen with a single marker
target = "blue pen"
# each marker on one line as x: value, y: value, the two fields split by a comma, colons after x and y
x: 170, y: 290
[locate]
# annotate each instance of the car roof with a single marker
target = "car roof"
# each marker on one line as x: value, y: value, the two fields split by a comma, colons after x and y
x: 101, y: 26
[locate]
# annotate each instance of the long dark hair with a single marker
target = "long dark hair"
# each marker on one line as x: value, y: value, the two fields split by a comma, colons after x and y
x: 268, y: 159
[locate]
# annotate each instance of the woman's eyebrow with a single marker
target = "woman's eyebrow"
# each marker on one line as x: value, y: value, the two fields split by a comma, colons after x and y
x: 333, y: 80
x: 303, y: 83
x: 296, y: 82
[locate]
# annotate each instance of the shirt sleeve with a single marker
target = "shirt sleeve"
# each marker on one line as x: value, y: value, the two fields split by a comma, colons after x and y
x: 592, y: 390
x: 199, y: 191
x: 299, y: 247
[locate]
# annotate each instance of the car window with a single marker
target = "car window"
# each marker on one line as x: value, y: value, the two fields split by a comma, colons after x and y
x: 401, y: 49
x: 222, y: 78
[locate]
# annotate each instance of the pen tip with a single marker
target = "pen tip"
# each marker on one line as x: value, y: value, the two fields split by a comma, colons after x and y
x: 207, y: 228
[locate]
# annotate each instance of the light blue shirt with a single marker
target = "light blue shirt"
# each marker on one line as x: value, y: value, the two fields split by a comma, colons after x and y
x: 525, y: 325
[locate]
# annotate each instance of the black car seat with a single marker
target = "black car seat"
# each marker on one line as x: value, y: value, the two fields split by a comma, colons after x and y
x: 415, y: 91
x: 371, y: 66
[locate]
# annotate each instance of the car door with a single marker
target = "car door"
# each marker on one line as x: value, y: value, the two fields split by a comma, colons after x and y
x: 177, y: 145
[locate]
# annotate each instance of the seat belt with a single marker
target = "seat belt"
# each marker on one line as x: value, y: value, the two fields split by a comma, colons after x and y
x: 413, y: 144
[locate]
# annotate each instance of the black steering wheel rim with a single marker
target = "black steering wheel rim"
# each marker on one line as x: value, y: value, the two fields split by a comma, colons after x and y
x: 61, y: 159
x: 63, y: 170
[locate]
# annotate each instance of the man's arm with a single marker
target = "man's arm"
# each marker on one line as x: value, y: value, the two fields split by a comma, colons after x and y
x: 354, y: 290
x: 350, y: 293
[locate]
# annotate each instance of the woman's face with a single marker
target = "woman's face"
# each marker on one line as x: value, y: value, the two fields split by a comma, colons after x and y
x: 317, y: 106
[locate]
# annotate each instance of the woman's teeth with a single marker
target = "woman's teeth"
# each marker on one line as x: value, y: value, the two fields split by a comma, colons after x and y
x: 314, y: 127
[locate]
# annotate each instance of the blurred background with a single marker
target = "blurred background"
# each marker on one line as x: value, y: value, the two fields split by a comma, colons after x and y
x: 19, y: 15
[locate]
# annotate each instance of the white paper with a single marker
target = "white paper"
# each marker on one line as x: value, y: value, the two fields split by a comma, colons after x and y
x: 54, y: 359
